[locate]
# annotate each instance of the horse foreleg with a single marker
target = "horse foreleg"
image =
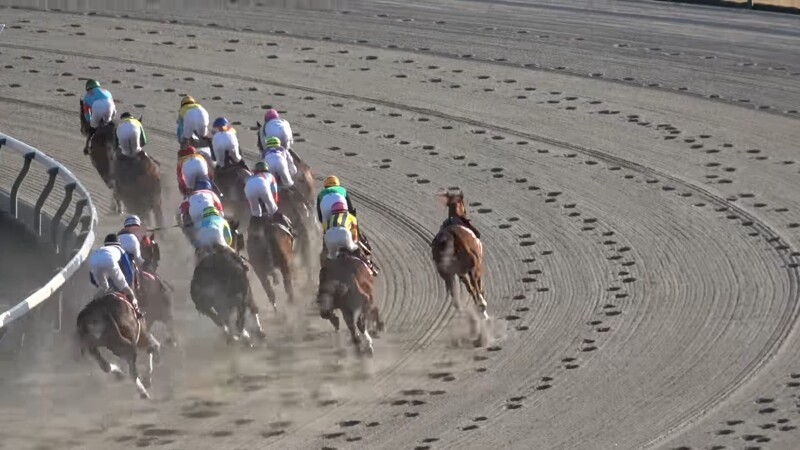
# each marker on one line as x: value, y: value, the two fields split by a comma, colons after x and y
x: 106, y: 366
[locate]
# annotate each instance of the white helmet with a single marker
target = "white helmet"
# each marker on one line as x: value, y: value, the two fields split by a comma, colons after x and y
x: 133, y: 220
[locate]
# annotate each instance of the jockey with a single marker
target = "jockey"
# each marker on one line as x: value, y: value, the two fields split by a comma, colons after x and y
x: 130, y: 243
x: 192, y: 120
x: 225, y: 144
x: 280, y: 162
x: 134, y: 238
x: 274, y: 126
x: 193, y: 207
x: 111, y: 263
x: 281, y: 165
x: 261, y: 191
x: 214, y: 234
x: 212, y: 230
x: 341, y: 233
x: 192, y: 167
x: 98, y: 107
x: 130, y: 135
x: 332, y: 194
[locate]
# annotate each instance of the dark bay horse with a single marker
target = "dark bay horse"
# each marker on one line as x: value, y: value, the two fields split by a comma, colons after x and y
x: 269, y: 246
x: 347, y: 285
x: 231, y: 179
x: 109, y: 321
x: 100, y: 146
x: 303, y: 219
x: 457, y: 251
x: 136, y: 182
x: 220, y: 289
x: 153, y: 293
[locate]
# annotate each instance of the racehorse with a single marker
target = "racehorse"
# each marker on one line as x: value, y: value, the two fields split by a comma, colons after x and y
x: 156, y: 302
x: 109, y: 321
x: 269, y: 245
x: 137, y: 184
x: 457, y: 251
x: 100, y: 146
x: 347, y: 285
x: 303, y: 219
x: 220, y: 288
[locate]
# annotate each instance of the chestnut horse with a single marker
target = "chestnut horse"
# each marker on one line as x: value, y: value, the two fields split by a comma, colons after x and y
x: 109, y: 321
x: 347, y: 285
x: 269, y: 245
x: 457, y: 251
x: 136, y: 182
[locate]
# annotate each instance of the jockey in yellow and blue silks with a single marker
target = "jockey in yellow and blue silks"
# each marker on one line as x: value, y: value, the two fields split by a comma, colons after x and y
x: 213, y: 231
x: 192, y: 120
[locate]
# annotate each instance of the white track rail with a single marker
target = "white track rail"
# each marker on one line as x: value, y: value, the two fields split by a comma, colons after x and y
x: 63, y: 221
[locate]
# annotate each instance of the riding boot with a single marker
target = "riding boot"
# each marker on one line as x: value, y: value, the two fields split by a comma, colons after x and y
x: 88, y: 141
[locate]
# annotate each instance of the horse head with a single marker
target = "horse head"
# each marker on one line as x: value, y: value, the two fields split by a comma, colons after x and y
x: 151, y: 254
x: 454, y: 204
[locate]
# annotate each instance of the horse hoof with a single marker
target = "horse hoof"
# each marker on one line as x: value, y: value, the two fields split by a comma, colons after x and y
x: 144, y: 396
x: 147, y: 382
x: 370, y: 352
x: 260, y: 334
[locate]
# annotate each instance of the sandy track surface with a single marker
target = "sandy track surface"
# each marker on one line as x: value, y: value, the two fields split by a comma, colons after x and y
x: 632, y: 166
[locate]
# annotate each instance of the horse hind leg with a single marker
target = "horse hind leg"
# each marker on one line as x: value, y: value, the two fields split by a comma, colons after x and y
x: 363, y: 329
x: 241, y: 315
x: 350, y: 320
x: 105, y: 366
x: 253, y: 308
x: 134, y: 371
x: 450, y: 288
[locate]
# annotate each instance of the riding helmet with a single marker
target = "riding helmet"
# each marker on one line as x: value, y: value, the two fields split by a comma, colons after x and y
x: 111, y: 239
x: 91, y: 84
x: 271, y: 114
x: 338, y: 207
x: 273, y: 142
x: 331, y: 181
x: 132, y: 221
x: 187, y: 100
x: 261, y: 166
x: 202, y: 184
x: 125, y: 115
x: 220, y: 122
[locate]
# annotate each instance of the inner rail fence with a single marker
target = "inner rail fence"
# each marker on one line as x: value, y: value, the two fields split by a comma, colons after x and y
x: 48, y: 225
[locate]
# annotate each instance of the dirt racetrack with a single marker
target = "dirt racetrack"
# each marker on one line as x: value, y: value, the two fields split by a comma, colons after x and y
x: 633, y: 167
